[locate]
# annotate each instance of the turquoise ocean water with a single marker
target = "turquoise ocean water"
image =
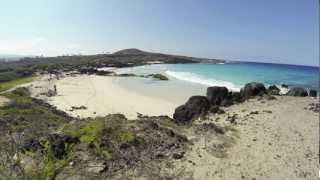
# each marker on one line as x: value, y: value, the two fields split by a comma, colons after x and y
x: 235, y: 75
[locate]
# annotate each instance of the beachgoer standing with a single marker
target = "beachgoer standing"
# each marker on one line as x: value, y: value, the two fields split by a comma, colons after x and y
x: 55, y: 89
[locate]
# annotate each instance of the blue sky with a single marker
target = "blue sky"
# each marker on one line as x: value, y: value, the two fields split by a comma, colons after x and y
x: 283, y: 31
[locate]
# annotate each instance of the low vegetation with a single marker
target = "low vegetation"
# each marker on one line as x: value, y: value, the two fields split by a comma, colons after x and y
x: 126, y: 58
x: 13, y: 83
x: 45, y: 143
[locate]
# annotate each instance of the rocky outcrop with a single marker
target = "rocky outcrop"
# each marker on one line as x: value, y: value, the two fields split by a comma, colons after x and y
x: 194, y: 108
x: 297, y: 91
x: 214, y: 109
x: 104, y: 73
x: 253, y: 89
x: 273, y: 90
x: 312, y: 93
x: 159, y: 77
x: 237, y: 97
x: 216, y: 95
x: 87, y: 70
x: 126, y: 75
x: 232, y: 98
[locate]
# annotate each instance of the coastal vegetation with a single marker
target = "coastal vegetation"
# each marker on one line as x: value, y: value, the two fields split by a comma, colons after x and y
x: 13, y: 83
x: 125, y: 58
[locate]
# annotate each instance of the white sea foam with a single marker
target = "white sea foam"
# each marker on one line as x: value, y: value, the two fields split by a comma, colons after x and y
x: 283, y: 90
x: 107, y: 69
x: 194, y: 78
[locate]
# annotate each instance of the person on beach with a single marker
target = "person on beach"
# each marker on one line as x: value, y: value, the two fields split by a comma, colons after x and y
x: 55, y: 89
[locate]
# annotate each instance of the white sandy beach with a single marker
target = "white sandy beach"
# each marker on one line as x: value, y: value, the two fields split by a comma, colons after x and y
x: 101, y: 95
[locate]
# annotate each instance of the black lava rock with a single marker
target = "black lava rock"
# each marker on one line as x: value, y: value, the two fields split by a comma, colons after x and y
x: 217, y: 94
x: 194, y: 108
x: 298, y: 91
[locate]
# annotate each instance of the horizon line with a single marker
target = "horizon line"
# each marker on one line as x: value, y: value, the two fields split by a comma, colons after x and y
x: 22, y: 56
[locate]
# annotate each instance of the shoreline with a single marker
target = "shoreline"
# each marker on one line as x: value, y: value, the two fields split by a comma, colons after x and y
x: 196, y: 78
x: 83, y: 95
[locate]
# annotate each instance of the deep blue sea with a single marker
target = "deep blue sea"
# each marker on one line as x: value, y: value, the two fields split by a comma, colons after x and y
x: 235, y: 75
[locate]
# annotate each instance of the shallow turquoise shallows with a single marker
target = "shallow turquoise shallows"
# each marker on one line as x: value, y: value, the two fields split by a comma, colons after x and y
x: 235, y: 75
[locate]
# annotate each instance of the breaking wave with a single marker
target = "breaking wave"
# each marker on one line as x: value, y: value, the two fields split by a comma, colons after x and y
x: 194, y: 78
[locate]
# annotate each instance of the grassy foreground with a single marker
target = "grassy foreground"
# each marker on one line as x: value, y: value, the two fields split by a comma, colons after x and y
x: 10, y: 84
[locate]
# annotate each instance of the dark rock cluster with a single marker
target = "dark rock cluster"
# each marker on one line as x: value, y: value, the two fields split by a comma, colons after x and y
x: 216, y: 97
x: 88, y: 70
x: 313, y: 93
x: 298, y: 91
x: 198, y: 106
x: 159, y: 77
x: 195, y: 107
x: 273, y: 90
x: 253, y: 89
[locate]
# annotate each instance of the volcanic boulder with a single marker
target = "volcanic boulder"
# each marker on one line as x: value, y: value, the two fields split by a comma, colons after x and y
x: 195, y: 107
x: 298, y: 91
x: 159, y: 77
x: 216, y: 94
x: 313, y: 93
x: 237, y: 97
x: 273, y: 90
x: 252, y: 89
x: 87, y: 70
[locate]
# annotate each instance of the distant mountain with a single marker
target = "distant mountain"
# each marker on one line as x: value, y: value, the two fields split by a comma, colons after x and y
x: 166, y: 58
x: 131, y: 51
x: 123, y: 58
